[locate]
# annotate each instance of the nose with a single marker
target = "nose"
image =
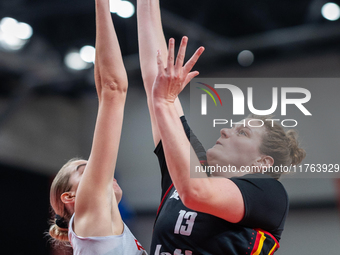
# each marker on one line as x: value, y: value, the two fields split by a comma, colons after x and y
x: 225, y: 132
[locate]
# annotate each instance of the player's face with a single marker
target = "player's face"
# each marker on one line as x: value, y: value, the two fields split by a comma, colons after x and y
x: 237, y: 146
x: 78, y: 168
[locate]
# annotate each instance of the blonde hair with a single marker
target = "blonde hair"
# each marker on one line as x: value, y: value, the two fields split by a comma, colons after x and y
x: 60, y: 185
x: 282, y: 146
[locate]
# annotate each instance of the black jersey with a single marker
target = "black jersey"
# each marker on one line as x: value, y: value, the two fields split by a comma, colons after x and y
x: 180, y: 230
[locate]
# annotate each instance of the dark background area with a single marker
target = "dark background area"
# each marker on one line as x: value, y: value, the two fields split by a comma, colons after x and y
x: 25, y: 211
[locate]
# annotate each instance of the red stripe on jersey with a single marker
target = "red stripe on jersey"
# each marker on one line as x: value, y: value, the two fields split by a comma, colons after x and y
x: 139, y: 246
x: 203, y: 162
x: 166, y: 193
x: 267, y: 233
x: 257, y: 241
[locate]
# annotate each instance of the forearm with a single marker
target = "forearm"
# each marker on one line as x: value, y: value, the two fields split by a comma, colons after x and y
x: 109, y: 67
x: 177, y: 153
x: 150, y: 39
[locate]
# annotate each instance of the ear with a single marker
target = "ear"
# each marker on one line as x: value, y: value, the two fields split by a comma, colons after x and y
x: 68, y: 197
x: 265, y: 161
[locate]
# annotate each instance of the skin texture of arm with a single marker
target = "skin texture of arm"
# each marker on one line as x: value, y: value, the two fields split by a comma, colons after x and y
x: 150, y: 39
x: 96, y: 208
x: 216, y: 196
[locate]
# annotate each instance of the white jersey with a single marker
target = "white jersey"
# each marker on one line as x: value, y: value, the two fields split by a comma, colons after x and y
x: 124, y: 244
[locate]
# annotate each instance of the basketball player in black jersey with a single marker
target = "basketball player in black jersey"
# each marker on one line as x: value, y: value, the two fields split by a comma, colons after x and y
x: 238, y: 215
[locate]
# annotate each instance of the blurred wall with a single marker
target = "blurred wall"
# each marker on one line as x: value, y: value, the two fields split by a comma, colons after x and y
x: 45, y: 131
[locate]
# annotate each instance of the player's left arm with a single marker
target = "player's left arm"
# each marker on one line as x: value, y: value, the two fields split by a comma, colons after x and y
x: 96, y: 207
x: 216, y: 196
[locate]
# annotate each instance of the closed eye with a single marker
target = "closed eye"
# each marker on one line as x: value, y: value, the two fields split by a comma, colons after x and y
x: 81, y: 168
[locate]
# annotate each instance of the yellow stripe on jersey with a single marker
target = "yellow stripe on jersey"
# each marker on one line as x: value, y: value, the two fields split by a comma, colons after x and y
x: 259, y: 248
x: 272, y: 250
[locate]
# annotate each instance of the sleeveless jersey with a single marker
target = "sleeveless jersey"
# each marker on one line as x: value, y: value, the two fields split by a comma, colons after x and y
x: 124, y: 244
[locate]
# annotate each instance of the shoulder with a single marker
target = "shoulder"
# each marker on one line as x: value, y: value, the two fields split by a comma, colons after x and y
x: 262, y: 188
x: 263, y: 196
x: 261, y: 182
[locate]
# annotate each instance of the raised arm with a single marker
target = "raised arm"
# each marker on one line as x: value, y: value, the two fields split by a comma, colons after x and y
x: 150, y: 39
x: 217, y: 196
x: 96, y: 206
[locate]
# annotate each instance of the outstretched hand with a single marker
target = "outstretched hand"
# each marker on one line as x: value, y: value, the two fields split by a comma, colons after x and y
x: 170, y: 81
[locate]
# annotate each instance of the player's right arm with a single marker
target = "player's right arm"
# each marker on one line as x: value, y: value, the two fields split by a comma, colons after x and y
x: 150, y: 40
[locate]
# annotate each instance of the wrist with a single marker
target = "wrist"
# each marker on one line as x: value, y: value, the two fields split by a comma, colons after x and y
x: 161, y: 102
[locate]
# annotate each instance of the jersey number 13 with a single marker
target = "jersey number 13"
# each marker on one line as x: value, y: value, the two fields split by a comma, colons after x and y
x: 185, y: 223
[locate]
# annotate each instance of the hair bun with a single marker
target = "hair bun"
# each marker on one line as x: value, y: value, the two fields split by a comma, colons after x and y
x: 297, y: 154
x: 60, y: 234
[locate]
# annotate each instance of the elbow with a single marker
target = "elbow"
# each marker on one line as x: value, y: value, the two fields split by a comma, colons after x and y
x: 197, y: 195
x: 112, y: 90
x: 189, y: 202
x: 192, y: 199
x: 114, y: 85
